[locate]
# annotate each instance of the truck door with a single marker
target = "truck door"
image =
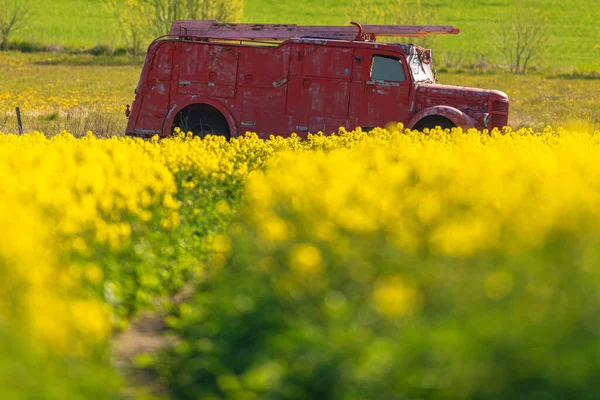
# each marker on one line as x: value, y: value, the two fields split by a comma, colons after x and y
x: 319, y: 87
x: 380, y: 89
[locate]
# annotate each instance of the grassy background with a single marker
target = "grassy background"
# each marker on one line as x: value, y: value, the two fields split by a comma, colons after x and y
x: 70, y: 23
x: 574, y: 25
x: 63, y: 91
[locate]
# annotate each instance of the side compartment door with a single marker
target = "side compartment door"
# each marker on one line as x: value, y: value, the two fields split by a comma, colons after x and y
x: 319, y: 87
x: 380, y: 90
x: 208, y: 70
x: 155, y: 95
x: 262, y: 89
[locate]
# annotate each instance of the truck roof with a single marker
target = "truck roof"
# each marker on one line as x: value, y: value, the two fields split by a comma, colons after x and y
x: 402, y: 47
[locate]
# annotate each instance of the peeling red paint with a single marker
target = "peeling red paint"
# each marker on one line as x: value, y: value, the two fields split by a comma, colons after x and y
x: 300, y: 84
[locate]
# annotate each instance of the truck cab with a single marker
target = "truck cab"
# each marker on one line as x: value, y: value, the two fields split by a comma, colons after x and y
x: 211, y: 78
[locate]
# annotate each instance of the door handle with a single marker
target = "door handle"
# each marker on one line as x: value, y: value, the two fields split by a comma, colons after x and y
x: 369, y: 86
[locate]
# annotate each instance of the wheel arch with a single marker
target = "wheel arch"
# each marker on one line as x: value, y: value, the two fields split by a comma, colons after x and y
x: 177, y: 107
x: 454, y: 115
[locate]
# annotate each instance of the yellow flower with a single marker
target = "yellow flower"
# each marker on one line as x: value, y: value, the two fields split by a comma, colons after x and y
x: 395, y: 297
x: 305, y: 259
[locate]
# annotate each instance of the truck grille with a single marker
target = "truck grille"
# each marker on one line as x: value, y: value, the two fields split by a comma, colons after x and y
x: 500, y: 107
x: 499, y: 120
x: 499, y: 114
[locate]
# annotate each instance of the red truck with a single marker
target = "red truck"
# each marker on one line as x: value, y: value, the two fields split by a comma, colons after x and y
x: 227, y: 79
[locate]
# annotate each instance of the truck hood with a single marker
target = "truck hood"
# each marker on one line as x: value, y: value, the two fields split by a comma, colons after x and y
x: 463, y: 98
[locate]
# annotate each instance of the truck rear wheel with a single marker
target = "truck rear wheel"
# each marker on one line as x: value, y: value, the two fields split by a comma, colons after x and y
x: 201, y: 120
x: 432, y: 122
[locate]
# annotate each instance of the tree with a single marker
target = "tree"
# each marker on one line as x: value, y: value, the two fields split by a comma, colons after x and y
x: 398, y: 12
x: 14, y: 14
x: 163, y: 12
x: 522, y: 38
x: 138, y: 21
x: 130, y: 23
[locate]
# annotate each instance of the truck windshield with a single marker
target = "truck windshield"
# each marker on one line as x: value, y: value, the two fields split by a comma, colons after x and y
x: 420, y: 66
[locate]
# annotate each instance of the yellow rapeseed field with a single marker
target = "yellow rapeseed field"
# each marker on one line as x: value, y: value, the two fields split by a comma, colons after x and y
x: 379, y: 230
x: 41, y: 84
x: 455, y: 193
x: 54, y: 193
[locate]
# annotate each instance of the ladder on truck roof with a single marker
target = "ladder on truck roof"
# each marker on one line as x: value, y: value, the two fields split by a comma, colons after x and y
x: 214, y: 30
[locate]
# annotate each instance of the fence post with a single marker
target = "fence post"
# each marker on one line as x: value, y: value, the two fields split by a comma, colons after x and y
x: 19, y: 121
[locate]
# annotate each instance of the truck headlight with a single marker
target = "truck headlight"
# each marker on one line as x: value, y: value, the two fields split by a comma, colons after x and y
x: 486, y: 120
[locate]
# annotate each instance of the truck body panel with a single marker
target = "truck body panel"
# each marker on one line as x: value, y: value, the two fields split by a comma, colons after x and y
x: 299, y: 85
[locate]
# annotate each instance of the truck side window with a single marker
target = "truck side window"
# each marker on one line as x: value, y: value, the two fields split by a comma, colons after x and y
x: 386, y: 68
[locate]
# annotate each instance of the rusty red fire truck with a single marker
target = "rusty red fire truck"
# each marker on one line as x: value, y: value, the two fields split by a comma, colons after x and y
x: 228, y: 79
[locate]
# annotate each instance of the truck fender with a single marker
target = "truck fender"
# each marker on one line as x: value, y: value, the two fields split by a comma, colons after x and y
x: 168, y: 123
x: 457, y: 117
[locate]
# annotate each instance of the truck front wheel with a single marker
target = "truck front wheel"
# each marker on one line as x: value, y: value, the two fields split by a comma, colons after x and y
x: 432, y: 122
x: 201, y: 120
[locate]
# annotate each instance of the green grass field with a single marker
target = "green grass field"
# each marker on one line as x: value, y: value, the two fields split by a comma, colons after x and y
x: 573, y: 43
x: 71, y: 23
x: 61, y: 91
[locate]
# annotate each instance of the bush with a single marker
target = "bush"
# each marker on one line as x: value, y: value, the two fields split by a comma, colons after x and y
x: 25, y: 46
x: 102, y: 50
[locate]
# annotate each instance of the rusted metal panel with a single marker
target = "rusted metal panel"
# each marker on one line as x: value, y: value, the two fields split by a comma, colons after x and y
x: 456, y: 116
x: 209, y: 70
x: 153, y: 94
x: 262, y: 87
x: 473, y: 102
x: 301, y: 85
x: 319, y: 86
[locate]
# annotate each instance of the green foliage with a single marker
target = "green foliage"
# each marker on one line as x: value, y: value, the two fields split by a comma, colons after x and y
x: 397, y: 12
x: 157, y: 262
x: 102, y: 50
x: 124, y: 260
x: 163, y: 12
x: 25, y: 46
x: 298, y: 315
x: 572, y: 30
x: 26, y: 373
x: 74, y: 24
x: 522, y: 39
x: 250, y: 337
x: 130, y: 23
x: 14, y: 14
x: 137, y: 22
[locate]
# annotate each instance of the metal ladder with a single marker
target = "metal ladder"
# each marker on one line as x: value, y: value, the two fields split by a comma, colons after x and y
x: 214, y: 30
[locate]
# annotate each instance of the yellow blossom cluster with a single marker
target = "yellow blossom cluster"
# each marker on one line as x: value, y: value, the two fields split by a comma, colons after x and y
x: 64, y: 196
x: 444, y: 264
x: 40, y: 87
x: 455, y: 193
x: 67, y: 201
x: 367, y: 230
